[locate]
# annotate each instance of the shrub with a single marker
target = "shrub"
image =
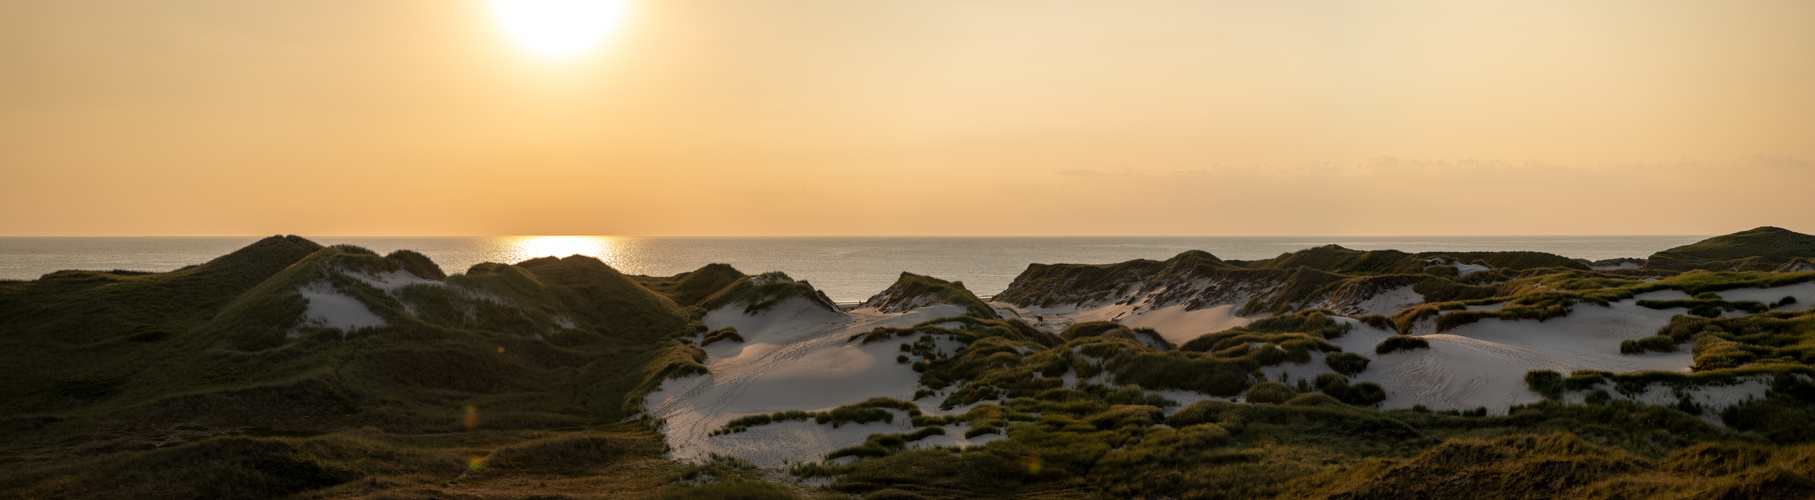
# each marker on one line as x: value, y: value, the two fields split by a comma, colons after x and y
x: 1659, y: 343
x: 1546, y: 383
x: 1456, y: 319
x: 1376, y: 321
x: 726, y: 333
x: 1347, y: 363
x: 1598, y: 397
x: 1401, y: 343
x: 1270, y: 392
x: 1713, y: 353
x: 1582, y: 380
x: 1367, y: 394
x: 1327, y: 379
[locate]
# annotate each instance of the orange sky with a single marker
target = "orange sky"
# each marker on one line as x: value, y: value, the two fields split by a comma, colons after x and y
x: 910, y: 117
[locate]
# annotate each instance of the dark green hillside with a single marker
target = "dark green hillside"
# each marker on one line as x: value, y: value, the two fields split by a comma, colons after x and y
x: 605, y: 297
x: 89, y: 306
x: 1339, y: 260
x: 764, y: 291
x: 910, y: 289
x: 102, y: 365
x: 692, y: 287
x: 1759, y: 249
x: 1292, y: 281
x: 1047, y: 285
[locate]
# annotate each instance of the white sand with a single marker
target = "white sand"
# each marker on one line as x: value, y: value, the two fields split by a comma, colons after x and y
x: 1484, y: 363
x: 1176, y: 324
x: 1461, y: 268
x: 795, y: 357
x: 328, y: 308
x: 1389, y: 301
x: 1179, y: 326
x: 1803, y: 292
x: 391, y: 281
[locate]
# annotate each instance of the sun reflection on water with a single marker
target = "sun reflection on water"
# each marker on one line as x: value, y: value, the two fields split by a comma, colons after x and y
x: 523, y: 248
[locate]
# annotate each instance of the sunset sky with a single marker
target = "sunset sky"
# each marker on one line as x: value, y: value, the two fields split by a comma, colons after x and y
x: 908, y: 117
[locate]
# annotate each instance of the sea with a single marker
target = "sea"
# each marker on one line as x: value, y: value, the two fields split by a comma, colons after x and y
x: 848, y: 269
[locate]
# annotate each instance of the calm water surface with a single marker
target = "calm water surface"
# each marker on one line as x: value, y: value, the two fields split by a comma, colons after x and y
x: 846, y: 268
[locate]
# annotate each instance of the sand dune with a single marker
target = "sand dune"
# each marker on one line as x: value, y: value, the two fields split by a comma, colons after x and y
x: 796, y: 356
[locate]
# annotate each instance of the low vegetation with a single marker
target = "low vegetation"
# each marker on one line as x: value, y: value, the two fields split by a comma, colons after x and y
x: 1398, y: 343
x: 527, y: 381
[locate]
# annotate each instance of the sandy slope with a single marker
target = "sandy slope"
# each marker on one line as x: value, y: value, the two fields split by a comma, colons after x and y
x: 1804, y: 293
x: 796, y: 356
x: 1484, y: 363
x: 1174, y: 323
x: 334, y: 310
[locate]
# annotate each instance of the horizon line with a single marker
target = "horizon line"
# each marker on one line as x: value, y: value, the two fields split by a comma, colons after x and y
x: 579, y: 235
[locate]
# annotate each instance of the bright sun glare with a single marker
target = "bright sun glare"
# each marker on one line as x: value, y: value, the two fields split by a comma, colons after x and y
x: 558, y: 29
x: 530, y: 247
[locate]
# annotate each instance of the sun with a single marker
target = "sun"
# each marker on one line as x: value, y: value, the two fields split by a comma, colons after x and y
x: 558, y: 29
x: 530, y: 247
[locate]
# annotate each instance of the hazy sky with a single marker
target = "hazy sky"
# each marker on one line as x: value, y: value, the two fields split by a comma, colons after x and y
x: 910, y: 117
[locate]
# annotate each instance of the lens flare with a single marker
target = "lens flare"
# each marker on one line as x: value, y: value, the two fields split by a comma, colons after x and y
x: 471, y: 421
x: 529, y: 247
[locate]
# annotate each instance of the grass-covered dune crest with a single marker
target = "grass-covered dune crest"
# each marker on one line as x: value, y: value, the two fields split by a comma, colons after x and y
x: 1759, y: 249
x: 912, y: 291
x: 287, y: 339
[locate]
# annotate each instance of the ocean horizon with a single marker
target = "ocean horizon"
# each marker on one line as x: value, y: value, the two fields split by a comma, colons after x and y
x: 846, y: 268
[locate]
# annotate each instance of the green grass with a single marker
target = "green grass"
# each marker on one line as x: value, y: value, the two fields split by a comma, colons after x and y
x: 549, y: 343
x: 763, y: 292
x: 1347, y: 363
x: 1759, y: 249
x: 911, y: 288
x: 1401, y: 343
x: 722, y: 334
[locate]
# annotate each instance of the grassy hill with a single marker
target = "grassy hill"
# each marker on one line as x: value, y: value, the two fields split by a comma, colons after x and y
x: 1273, y: 286
x: 1759, y: 249
x: 913, y: 290
x: 230, y: 368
